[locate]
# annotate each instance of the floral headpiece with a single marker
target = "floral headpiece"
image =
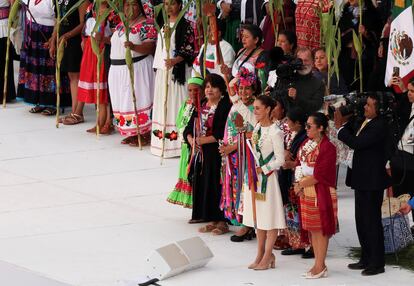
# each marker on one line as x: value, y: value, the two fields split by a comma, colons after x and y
x: 246, y: 77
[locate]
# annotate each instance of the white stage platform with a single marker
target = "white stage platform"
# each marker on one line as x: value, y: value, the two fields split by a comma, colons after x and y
x: 87, y: 212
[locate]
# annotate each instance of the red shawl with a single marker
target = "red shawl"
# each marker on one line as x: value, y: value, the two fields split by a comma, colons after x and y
x: 325, y: 174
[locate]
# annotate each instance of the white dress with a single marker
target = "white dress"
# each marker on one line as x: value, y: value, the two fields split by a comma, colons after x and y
x: 269, y: 212
x: 120, y: 84
x: 177, y: 95
x: 4, y: 6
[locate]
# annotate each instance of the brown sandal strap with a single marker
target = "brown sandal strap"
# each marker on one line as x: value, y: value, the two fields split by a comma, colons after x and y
x: 73, y: 119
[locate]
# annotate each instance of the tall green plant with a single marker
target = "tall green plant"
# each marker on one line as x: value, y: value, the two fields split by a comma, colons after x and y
x: 358, y: 45
x: 12, y: 21
x: 276, y: 9
x: 331, y: 41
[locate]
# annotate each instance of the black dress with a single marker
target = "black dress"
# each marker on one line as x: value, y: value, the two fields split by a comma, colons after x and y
x: 73, y: 52
x: 205, y: 173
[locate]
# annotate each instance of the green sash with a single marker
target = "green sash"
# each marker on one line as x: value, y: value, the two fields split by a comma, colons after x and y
x: 263, y: 161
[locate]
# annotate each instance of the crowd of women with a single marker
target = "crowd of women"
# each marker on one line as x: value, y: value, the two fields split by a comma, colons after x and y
x: 246, y: 158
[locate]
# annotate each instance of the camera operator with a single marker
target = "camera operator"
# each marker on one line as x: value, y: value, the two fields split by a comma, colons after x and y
x: 368, y: 178
x: 306, y: 91
x: 402, y: 163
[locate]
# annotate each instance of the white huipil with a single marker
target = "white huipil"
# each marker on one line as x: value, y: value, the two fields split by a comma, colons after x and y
x: 119, y: 84
x: 177, y: 95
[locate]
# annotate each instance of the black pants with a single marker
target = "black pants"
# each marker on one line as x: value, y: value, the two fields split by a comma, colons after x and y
x: 369, y: 226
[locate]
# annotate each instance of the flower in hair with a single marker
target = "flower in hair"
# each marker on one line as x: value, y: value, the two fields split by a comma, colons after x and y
x: 246, y: 77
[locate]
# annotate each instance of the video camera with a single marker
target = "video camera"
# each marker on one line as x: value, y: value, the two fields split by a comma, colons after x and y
x: 285, y: 76
x: 287, y: 70
x: 353, y: 104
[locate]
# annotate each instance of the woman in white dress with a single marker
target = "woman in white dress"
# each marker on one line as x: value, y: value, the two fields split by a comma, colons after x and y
x: 142, y: 44
x: 178, y: 69
x: 268, y: 150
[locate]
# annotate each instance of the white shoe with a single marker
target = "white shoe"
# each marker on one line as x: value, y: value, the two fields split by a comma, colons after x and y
x: 322, y: 274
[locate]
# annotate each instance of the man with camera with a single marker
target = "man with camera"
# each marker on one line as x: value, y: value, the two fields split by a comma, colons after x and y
x: 306, y: 91
x: 402, y: 162
x: 368, y: 178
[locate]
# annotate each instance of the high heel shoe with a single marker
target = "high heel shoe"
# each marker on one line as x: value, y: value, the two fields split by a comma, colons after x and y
x: 271, y: 264
x: 322, y: 274
x: 253, y: 265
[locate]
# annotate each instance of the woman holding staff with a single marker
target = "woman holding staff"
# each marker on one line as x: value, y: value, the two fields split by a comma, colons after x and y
x: 205, y: 167
x: 70, y: 33
x: 37, y: 82
x: 177, y: 67
x: 88, y: 85
x: 142, y: 44
x: 182, y: 193
x: 233, y: 152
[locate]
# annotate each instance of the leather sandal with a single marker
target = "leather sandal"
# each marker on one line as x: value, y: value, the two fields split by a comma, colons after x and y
x: 37, y: 109
x: 49, y: 111
x: 207, y: 228
x: 73, y: 119
x: 220, y: 230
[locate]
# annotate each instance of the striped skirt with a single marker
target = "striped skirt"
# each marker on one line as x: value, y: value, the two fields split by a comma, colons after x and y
x: 311, y: 218
x: 37, y: 81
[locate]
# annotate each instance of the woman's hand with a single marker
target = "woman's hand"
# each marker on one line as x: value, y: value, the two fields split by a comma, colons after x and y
x: 267, y: 91
x: 298, y: 189
x: 64, y: 38
x: 232, y: 86
x: 259, y: 170
x: 170, y: 63
x: 396, y: 80
x: 289, y: 165
x: 51, y: 44
x: 190, y: 140
x: 129, y: 44
x: 227, y: 149
x: 362, y: 30
x: 225, y: 9
x: 225, y: 69
x: 98, y: 37
x: 201, y: 140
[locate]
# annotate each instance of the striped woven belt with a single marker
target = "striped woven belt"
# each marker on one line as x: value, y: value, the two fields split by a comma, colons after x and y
x: 4, y: 13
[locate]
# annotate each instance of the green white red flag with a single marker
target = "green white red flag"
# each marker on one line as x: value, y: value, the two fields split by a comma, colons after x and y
x: 401, y: 49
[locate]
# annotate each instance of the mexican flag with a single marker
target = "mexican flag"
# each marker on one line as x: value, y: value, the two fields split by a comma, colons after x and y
x: 401, y: 48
